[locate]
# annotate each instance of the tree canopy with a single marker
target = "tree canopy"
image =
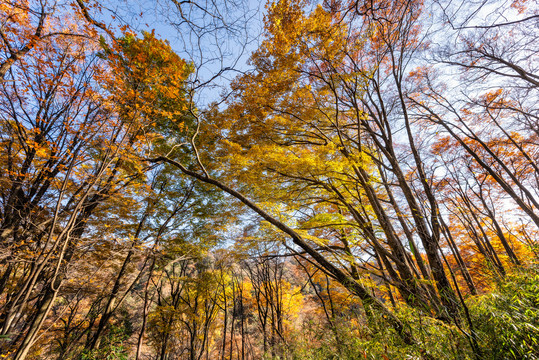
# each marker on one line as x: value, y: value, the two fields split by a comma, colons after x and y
x: 365, y: 186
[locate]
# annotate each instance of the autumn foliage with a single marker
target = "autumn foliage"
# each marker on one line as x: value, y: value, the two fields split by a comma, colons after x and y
x: 368, y: 188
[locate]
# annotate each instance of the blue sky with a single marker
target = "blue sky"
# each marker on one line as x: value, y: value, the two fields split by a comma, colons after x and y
x: 212, y: 43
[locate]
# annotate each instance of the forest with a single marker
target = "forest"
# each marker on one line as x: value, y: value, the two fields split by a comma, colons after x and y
x: 296, y: 179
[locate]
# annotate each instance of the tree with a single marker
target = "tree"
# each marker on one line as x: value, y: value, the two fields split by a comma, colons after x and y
x: 72, y: 146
